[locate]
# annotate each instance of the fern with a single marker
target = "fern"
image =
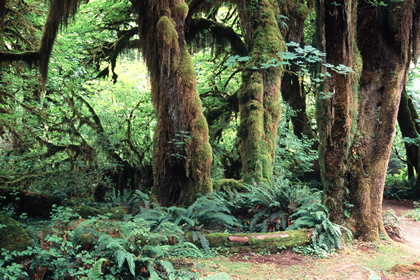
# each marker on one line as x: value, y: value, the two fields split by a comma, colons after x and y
x: 203, y: 241
x: 95, y: 272
x: 325, y: 234
x: 212, y: 210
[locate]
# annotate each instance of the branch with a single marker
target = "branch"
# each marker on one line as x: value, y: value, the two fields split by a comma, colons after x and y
x: 28, y: 57
x: 220, y: 35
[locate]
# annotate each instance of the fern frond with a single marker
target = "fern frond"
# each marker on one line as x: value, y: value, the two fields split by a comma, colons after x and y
x: 95, y: 272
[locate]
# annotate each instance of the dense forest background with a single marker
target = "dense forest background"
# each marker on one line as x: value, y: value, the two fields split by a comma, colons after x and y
x: 105, y: 101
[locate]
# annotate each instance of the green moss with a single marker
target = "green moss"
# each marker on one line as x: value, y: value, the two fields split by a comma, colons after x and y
x: 87, y: 211
x: 228, y: 185
x: 255, y: 242
x: 166, y: 30
x: 187, y: 71
x: 181, y: 10
x: 117, y: 213
x: 13, y: 236
x: 168, y: 37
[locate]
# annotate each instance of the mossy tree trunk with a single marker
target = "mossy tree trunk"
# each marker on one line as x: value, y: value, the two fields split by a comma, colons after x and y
x: 258, y: 98
x: 183, y: 154
x: 357, y: 127
x: 385, y: 41
x: 336, y: 112
x: 409, y: 126
x: 292, y: 88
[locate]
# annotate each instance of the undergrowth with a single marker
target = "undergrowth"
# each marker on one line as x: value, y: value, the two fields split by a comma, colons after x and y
x: 415, y: 214
x: 141, y: 246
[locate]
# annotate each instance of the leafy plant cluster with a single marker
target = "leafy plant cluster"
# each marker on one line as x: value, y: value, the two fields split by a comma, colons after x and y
x: 141, y: 246
x: 415, y: 214
x: 284, y: 207
x: 391, y: 221
x: 306, y: 58
x: 101, y: 248
x: 294, y: 156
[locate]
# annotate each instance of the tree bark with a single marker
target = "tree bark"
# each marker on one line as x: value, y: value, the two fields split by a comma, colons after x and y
x: 292, y: 89
x: 336, y: 114
x: 259, y: 94
x: 357, y: 127
x: 384, y: 41
x: 183, y: 154
x: 408, y: 123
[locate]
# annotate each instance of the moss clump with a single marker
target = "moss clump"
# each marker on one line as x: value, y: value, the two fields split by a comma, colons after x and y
x: 168, y: 37
x: 228, y: 185
x: 181, y: 10
x: 405, y: 269
x: 13, y: 236
x: 118, y: 213
x: 166, y: 30
x: 87, y: 211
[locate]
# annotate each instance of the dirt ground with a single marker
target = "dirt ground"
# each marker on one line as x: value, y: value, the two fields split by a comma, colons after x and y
x: 372, y: 261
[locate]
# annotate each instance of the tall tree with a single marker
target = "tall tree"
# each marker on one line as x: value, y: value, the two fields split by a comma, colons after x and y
x: 357, y: 123
x: 408, y: 120
x: 335, y: 114
x: 183, y: 154
x: 292, y: 88
x: 259, y: 94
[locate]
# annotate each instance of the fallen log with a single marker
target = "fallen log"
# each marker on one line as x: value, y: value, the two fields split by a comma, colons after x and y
x: 255, y: 242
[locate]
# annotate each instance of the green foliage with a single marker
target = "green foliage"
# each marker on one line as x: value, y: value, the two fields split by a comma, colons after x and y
x: 397, y: 186
x: 294, y: 156
x: 377, y: 3
x: 210, y: 211
x: 180, y: 141
x: 120, y: 249
x: 391, y: 221
x: 314, y: 250
x: 325, y: 234
x: 265, y: 208
x: 415, y: 214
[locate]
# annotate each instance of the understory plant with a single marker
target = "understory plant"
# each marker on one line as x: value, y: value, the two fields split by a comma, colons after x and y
x: 100, y: 248
x: 415, y: 214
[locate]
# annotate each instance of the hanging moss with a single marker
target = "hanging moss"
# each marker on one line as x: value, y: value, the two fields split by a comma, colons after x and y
x: 181, y: 10
x: 168, y: 37
x: 230, y: 185
x: 13, y: 236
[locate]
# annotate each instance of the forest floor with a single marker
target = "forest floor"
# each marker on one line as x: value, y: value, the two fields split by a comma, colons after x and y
x: 385, y: 260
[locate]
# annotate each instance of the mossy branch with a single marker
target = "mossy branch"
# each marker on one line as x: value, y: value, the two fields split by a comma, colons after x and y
x: 28, y: 57
x: 220, y: 35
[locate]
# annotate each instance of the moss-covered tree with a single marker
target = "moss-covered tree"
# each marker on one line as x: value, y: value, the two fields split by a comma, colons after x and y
x: 258, y: 97
x: 292, y: 87
x: 408, y: 120
x: 183, y: 154
x: 357, y: 122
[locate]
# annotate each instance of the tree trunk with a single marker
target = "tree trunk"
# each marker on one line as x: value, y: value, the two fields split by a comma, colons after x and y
x: 336, y: 114
x: 183, y: 154
x: 357, y: 136
x: 384, y: 41
x: 258, y: 97
x: 408, y: 122
x: 292, y: 89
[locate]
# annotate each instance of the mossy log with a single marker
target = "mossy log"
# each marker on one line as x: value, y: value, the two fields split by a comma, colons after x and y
x: 12, y: 235
x: 34, y: 204
x: 255, y: 242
